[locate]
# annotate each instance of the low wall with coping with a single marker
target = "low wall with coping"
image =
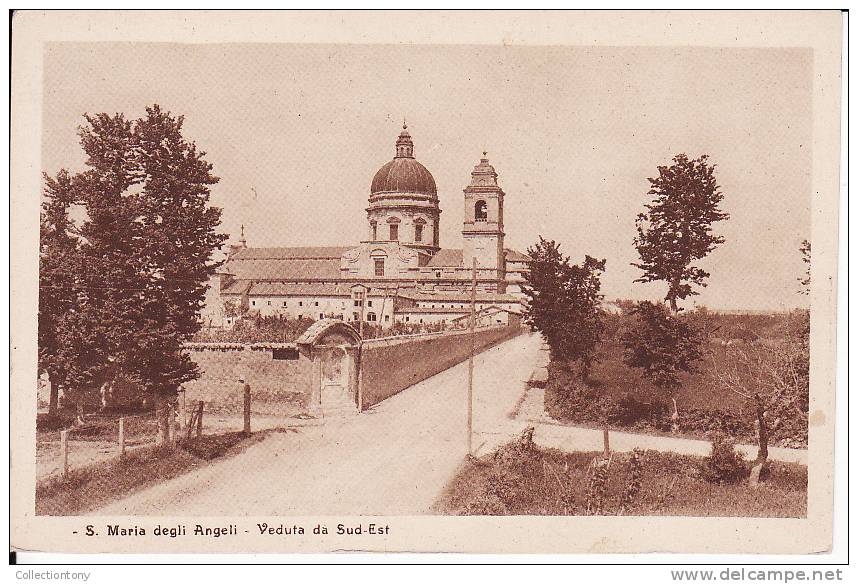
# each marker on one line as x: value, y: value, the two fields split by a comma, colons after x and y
x: 280, y: 386
x: 393, y: 364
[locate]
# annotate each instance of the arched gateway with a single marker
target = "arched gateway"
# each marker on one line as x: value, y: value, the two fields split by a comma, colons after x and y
x: 333, y: 346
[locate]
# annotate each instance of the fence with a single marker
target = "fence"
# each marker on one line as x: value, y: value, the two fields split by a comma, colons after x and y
x: 99, y: 441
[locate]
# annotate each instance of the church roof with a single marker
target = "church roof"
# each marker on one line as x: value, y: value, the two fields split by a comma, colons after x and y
x: 446, y: 258
x: 289, y: 253
x: 285, y: 263
x: 452, y: 258
x: 285, y: 269
x: 403, y: 174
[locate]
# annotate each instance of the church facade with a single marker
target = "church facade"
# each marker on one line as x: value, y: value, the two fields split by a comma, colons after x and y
x: 398, y: 273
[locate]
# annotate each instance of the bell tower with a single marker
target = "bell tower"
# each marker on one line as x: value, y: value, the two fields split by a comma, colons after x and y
x: 482, y: 235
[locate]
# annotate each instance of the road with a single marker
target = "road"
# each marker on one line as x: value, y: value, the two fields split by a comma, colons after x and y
x: 394, y: 459
x: 569, y: 438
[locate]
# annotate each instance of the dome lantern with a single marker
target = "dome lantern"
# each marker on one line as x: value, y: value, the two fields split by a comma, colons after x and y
x: 404, y: 145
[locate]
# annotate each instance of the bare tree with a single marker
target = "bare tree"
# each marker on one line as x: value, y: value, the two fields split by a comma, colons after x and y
x: 773, y: 378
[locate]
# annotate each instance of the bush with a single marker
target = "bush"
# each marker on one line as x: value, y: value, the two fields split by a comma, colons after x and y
x: 631, y: 411
x: 724, y: 464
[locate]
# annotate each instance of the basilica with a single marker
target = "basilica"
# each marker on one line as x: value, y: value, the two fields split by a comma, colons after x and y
x: 398, y: 273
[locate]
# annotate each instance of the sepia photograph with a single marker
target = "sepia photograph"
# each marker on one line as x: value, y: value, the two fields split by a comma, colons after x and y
x: 301, y: 291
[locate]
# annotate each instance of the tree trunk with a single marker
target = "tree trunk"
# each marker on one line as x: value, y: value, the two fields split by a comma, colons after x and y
x: 762, y: 431
x: 54, y: 404
x: 162, y: 414
x: 760, y: 467
x: 671, y: 295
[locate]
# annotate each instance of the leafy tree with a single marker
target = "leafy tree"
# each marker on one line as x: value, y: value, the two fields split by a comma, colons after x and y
x: 661, y: 344
x: 565, y: 303
x: 58, y: 248
x: 178, y: 239
x: 676, y: 230
x: 143, y: 256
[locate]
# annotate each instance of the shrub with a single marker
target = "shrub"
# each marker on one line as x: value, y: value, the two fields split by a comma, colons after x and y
x: 597, y: 486
x: 630, y: 410
x: 724, y: 464
x: 633, y: 485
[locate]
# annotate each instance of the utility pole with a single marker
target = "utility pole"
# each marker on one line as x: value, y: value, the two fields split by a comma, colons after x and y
x: 364, y: 295
x: 472, y: 325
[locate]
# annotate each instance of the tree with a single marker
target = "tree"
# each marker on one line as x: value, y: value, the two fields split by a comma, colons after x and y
x: 564, y: 303
x: 676, y: 230
x: 661, y: 344
x: 143, y: 256
x: 57, y: 297
x: 774, y: 378
x: 178, y: 239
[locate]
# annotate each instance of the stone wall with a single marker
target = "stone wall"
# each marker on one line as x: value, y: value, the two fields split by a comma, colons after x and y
x: 390, y: 365
x: 282, y: 387
x: 278, y: 387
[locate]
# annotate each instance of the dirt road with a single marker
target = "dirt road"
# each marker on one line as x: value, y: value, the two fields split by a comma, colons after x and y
x: 392, y: 460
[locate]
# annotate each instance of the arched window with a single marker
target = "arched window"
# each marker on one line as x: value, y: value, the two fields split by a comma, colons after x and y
x: 370, y: 317
x: 481, y: 212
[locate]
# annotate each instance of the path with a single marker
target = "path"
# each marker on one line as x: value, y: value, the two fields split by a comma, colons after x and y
x: 392, y: 460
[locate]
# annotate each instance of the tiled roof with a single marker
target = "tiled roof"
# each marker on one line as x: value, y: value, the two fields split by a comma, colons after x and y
x: 290, y: 253
x: 451, y: 296
x: 491, y: 310
x: 416, y: 310
x: 299, y: 289
x: 446, y: 258
x: 285, y: 269
x: 452, y: 258
x: 342, y: 288
x: 239, y: 287
x: 516, y: 256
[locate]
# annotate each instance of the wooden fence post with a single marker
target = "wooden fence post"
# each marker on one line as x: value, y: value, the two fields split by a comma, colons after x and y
x: 121, y: 437
x: 605, y: 440
x: 247, y: 409
x: 64, y: 449
x: 200, y: 419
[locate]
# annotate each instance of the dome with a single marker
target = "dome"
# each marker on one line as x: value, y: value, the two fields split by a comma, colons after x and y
x: 404, y: 174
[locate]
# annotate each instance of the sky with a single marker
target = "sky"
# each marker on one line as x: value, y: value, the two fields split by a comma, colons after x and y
x: 296, y: 133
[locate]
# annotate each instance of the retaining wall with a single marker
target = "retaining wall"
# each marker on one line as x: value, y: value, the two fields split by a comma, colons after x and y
x: 390, y: 365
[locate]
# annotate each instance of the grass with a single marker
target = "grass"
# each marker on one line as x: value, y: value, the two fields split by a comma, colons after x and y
x: 539, y: 481
x: 96, y: 485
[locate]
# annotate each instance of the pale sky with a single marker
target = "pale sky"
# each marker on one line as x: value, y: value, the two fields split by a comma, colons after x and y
x: 573, y: 133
